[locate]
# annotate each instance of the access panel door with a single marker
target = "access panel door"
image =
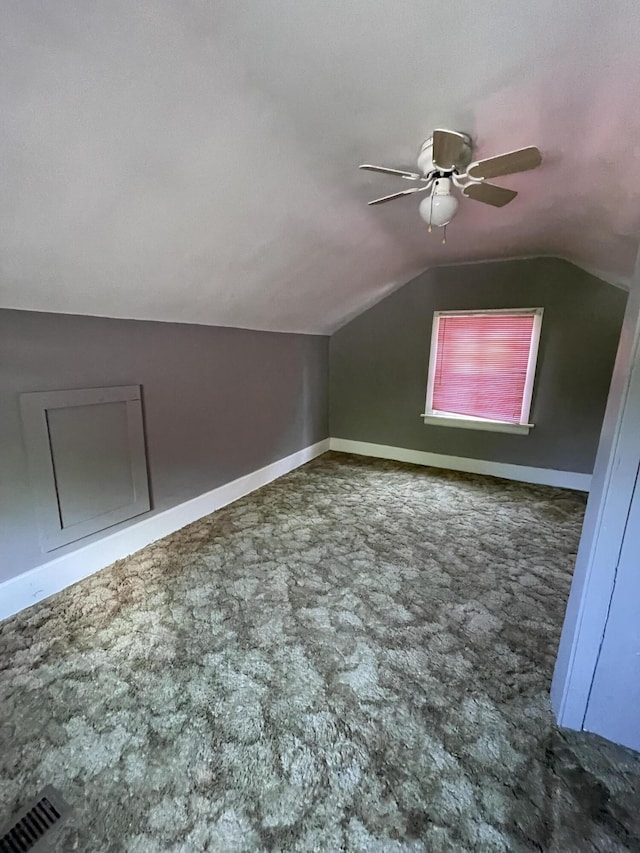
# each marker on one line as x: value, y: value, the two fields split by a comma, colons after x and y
x: 87, y: 460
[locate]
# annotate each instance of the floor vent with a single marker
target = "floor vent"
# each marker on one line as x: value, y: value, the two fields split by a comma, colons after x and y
x: 35, y: 827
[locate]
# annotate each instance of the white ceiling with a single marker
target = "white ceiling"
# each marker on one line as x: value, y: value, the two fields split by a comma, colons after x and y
x: 195, y: 161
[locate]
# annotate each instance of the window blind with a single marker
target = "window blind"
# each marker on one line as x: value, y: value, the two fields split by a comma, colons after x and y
x: 481, y: 365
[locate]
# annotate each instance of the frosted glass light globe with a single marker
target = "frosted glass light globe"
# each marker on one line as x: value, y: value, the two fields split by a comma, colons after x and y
x: 440, y: 208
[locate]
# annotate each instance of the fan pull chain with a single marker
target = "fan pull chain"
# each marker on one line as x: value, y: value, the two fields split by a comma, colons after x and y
x: 444, y: 235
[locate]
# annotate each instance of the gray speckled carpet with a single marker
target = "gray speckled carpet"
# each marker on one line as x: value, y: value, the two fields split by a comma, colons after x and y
x: 354, y: 658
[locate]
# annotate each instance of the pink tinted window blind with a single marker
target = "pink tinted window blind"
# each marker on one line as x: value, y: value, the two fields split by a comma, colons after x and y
x: 481, y: 365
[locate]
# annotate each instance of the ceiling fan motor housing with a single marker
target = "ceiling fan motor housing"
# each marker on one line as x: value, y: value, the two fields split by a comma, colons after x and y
x: 425, y: 157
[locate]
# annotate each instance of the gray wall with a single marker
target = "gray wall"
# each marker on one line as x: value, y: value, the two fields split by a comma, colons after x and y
x: 218, y: 403
x: 378, y: 362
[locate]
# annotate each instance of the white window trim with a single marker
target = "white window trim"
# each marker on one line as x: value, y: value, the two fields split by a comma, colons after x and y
x: 434, y: 417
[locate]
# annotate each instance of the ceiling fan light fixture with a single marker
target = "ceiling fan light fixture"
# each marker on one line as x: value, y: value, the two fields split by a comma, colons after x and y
x: 439, y: 208
x: 444, y: 161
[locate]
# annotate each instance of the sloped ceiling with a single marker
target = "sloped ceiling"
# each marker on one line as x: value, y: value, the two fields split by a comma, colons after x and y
x: 196, y: 161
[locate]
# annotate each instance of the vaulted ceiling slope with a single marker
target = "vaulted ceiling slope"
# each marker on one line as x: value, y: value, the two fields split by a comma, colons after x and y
x: 195, y: 160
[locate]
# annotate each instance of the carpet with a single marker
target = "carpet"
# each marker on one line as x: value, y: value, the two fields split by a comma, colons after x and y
x: 356, y: 657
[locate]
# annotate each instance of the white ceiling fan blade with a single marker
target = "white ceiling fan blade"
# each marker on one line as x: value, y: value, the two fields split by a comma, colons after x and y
x: 448, y: 147
x: 489, y: 194
x: 412, y: 176
x: 506, y: 164
x: 402, y: 192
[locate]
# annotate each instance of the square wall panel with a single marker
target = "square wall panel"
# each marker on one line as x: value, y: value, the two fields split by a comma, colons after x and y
x: 87, y: 460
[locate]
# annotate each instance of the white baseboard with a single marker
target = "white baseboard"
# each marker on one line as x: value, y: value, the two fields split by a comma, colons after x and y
x: 542, y: 476
x: 54, y: 575
x: 57, y: 574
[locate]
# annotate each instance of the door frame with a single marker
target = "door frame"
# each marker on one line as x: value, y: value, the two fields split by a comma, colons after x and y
x: 605, y: 520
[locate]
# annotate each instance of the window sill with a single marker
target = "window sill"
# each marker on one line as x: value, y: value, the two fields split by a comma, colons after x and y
x: 464, y: 422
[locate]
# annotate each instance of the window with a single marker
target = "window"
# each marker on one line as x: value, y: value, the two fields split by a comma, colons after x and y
x: 481, y: 369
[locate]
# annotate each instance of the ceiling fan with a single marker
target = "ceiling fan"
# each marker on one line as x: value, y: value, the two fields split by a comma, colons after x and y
x: 445, y: 160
